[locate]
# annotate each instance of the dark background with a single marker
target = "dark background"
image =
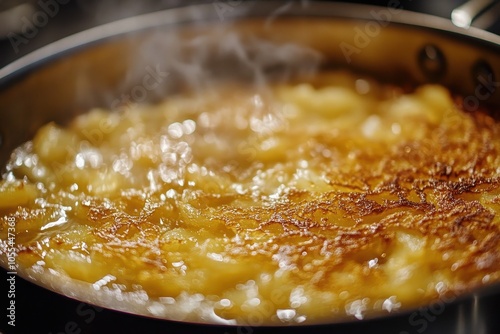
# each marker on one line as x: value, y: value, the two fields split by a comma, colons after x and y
x: 40, y: 311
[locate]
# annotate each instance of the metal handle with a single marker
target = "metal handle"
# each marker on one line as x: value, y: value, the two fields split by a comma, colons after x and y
x: 483, y: 13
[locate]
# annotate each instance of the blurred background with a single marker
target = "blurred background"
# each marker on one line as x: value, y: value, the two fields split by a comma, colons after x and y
x: 28, y: 25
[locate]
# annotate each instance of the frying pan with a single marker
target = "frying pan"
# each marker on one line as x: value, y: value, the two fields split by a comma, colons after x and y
x: 190, y: 48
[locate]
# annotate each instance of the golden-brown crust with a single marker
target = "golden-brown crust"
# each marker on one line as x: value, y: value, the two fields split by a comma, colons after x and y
x: 405, y: 203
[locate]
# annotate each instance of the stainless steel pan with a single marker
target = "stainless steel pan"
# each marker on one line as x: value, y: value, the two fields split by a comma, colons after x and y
x: 188, y: 48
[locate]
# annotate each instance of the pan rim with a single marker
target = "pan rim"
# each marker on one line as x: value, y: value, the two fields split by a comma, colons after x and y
x: 189, y: 14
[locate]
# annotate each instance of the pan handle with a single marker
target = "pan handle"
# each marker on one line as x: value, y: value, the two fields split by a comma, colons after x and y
x: 480, y: 13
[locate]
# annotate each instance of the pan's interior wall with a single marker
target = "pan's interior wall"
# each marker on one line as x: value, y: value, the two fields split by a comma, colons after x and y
x: 20, y: 36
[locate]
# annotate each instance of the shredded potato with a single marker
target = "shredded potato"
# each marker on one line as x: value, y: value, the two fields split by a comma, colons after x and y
x: 307, y: 202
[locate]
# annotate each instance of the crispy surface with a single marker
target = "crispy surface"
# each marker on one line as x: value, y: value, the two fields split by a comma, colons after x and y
x: 308, y: 202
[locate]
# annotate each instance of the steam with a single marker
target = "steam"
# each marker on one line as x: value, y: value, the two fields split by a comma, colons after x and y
x: 213, y: 53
